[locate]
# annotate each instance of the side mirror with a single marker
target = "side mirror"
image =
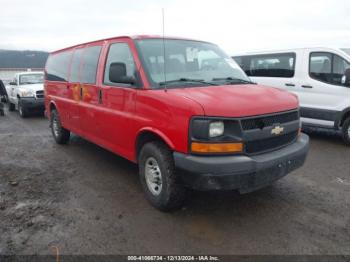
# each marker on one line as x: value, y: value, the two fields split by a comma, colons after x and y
x: 12, y: 84
x: 117, y: 74
x: 346, y: 78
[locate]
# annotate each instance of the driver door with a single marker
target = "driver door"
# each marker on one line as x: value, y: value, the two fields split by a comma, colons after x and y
x: 116, y: 120
x: 322, y: 87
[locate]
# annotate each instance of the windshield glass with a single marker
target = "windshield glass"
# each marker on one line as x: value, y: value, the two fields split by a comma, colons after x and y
x: 187, y: 63
x: 31, y: 79
x: 346, y: 50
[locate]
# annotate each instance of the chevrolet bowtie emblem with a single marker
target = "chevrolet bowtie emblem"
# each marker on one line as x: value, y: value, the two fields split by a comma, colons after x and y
x: 277, y: 130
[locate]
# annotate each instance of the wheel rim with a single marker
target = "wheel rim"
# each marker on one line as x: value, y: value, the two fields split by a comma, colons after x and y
x: 55, y: 127
x: 349, y: 131
x: 153, y: 176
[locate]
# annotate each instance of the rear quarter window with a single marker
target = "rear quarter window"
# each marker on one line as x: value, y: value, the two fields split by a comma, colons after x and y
x: 57, y: 66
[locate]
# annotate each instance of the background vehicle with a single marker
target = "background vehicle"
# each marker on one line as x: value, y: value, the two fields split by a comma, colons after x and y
x: 26, y: 93
x: 316, y: 75
x: 3, y: 97
x: 190, y: 118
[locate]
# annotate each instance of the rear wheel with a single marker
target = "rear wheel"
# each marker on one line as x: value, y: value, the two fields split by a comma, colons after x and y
x: 346, y: 131
x: 60, y: 134
x: 162, y: 186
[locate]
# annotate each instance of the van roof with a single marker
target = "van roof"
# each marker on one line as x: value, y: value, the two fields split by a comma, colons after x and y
x: 134, y: 37
x: 320, y: 48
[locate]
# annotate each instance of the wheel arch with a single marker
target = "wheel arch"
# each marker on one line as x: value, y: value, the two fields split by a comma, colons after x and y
x: 146, y: 135
x: 342, y: 117
x: 52, y: 105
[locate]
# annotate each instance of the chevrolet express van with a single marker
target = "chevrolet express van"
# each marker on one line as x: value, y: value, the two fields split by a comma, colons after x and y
x: 320, y: 77
x: 181, y: 109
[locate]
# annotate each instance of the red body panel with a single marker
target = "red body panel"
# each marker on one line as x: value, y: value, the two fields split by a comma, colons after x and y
x: 239, y: 100
x: 125, y: 113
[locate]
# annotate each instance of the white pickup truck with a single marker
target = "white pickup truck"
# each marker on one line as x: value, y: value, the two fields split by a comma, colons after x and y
x: 26, y: 93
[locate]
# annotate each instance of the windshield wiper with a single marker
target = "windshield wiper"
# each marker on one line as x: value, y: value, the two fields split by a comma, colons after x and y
x: 233, y: 80
x: 188, y: 80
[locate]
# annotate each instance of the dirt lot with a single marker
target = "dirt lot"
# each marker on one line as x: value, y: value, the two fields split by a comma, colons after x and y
x: 85, y: 200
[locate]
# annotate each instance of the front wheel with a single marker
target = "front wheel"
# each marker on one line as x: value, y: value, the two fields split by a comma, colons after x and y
x: 22, y: 110
x: 162, y: 186
x: 12, y: 106
x: 60, y: 134
x: 346, y: 131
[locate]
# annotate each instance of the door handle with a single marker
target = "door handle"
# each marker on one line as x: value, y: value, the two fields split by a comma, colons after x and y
x: 100, y: 96
x: 289, y: 84
x: 306, y: 86
x: 81, y: 92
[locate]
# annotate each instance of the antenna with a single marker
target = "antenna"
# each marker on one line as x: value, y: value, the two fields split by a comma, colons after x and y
x: 163, y: 25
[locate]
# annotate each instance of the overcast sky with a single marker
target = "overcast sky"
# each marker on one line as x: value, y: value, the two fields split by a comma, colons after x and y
x: 237, y: 26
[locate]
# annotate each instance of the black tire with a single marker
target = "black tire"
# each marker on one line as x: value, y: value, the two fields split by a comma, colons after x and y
x: 2, y: 109
x: 346, y: 131
x: 172, y: 194
x: 23, y: 112
x: 12, y: 106
x: 59, y: 133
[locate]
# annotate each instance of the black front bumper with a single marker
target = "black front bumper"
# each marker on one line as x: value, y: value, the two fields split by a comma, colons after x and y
x: 33, y: 104
x: 241, y: 172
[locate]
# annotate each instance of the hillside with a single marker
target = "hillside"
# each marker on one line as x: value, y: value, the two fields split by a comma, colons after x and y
x: 22, y: 59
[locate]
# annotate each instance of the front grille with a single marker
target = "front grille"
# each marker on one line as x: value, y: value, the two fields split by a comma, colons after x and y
x: 264, y: 121
x: 258, y: 146
x: 40, y: 94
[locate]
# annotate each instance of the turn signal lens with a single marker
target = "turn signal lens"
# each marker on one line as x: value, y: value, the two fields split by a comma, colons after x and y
x: 216, y: 147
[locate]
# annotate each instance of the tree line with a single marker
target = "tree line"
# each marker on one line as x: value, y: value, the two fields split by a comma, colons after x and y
x: 22, y: 59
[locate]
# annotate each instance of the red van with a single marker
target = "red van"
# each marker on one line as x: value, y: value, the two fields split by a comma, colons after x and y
x: 181, y: 109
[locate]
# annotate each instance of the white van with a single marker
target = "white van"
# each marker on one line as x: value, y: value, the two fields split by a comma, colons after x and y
x: 320, y: 77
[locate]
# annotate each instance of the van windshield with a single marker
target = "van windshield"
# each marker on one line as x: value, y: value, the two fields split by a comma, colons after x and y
x: 187, y: 63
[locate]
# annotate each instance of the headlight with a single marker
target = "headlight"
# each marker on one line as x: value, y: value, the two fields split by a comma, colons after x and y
x: 215, y: 136
x: 27, y: 93
x: 216, y: 129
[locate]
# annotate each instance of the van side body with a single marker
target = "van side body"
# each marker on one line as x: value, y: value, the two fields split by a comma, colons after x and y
x: 315, y: 75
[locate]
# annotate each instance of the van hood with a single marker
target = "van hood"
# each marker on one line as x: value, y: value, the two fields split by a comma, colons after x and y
x: 33, y: 87
x: 239, y: 100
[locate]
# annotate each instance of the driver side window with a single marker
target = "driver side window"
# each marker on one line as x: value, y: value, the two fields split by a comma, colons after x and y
x: 339, y: 68
x: 119, y: 53
x: 327, y: 67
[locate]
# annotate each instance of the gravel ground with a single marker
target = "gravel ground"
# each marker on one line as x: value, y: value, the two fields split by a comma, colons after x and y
x: 83, y: 199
